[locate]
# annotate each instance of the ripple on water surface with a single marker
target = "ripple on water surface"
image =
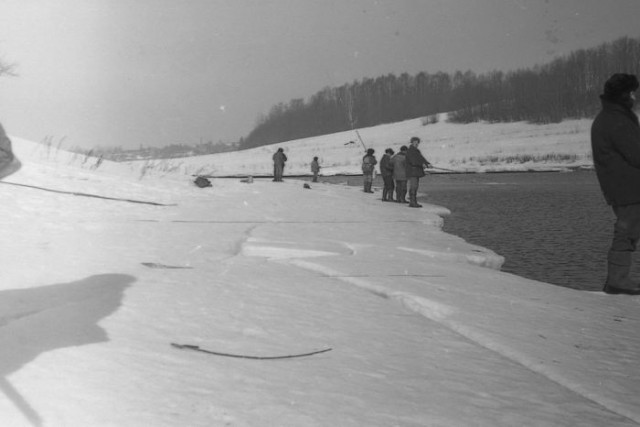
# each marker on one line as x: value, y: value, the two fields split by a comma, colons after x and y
x: 552, y: 227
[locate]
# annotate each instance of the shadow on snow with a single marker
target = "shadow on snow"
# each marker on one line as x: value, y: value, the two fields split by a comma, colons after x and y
x: 36, y: 320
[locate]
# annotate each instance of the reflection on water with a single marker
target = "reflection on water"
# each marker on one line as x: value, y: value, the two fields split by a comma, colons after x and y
x: 552, y: 227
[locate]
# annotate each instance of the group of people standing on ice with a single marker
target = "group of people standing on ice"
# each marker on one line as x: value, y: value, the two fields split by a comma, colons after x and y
x: 400, y: 171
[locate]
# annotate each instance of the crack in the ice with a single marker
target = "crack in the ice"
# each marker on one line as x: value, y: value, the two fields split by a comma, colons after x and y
x: 246, y: 235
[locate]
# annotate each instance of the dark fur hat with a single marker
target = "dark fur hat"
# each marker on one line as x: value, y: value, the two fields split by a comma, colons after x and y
x: 619, y: 85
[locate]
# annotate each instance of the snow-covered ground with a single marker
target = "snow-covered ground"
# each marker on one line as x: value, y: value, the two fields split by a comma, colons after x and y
x: 423, y: 329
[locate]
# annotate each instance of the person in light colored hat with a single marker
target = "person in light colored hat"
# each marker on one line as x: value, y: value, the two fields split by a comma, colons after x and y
x: 615, y: 145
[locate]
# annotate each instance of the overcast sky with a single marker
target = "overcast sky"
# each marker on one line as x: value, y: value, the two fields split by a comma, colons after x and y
x: 157, y: 72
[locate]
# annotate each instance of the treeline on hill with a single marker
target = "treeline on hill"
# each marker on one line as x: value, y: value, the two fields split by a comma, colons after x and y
x: 567, y: 87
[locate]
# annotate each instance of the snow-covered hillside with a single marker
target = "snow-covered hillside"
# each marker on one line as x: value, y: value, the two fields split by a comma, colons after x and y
x: 104, y: 267
x: 476, y: 147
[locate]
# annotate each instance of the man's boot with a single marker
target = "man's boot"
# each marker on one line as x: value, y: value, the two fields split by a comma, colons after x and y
x: 618, y: 269
x: 403, y: 196
x: 384, y: 194
x: 413, y: 200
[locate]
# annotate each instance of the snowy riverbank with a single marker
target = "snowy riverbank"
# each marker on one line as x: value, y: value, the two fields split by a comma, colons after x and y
x: 423, y: 329
x: 474, y: 147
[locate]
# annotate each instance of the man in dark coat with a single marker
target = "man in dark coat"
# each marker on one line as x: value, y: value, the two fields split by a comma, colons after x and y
x: 369, y: 163
x: 315, y: 168
x: 386, y: 170
x: 399, y: 162
x: 279, y: 159
x: 415, y: 170
x: 615, y: 144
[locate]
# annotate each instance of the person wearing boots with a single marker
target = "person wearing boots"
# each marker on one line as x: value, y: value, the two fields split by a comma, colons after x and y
x: 386, y: 170
x: 369, y: 163
x: 415, y: 170
x: 315, y: 169
x: 399, y: 163
x: 615, y: 145
x: 279, y: 159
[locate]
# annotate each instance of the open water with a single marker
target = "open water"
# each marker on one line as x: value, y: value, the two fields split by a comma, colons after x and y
x: 554, y: 227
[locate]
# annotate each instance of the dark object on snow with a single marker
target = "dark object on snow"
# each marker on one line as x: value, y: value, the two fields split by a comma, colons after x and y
x: 241, y: 356
x: 202, y: 182
x: 306, y: 186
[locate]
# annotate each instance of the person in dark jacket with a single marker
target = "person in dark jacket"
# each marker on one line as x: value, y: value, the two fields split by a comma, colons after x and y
x: 369, y: 163
x: 8, y: 161
x: 279, y: 159
x: 315, y: 169
x: 415, y: 170
x: 615, y: 145
x: 386, y: 170
x: 399, y: 162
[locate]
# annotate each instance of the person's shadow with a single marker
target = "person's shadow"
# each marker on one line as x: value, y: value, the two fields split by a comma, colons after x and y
x: 36, y: 320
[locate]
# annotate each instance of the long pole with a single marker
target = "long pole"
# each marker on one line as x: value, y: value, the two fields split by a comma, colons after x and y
x: 443, y: 169
x: 361, y: 141
x: 20, y: 402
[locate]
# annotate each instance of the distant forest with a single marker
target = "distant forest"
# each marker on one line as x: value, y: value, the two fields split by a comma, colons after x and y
x: 565, y: 88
